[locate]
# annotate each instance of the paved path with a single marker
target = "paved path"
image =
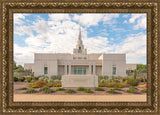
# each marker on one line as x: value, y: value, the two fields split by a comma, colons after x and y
x: 65, y: 98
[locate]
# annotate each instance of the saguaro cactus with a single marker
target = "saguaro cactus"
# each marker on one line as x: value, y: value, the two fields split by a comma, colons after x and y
x: 134, y: 74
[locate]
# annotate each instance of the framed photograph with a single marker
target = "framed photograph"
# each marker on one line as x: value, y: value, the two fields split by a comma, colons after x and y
x: 77, y: 57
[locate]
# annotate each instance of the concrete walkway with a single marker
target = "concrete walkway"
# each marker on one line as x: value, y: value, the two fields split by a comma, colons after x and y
x: 65, y: 98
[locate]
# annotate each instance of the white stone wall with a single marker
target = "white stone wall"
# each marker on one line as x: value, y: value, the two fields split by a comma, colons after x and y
x: 42, y: 61
x: 100, y: 63
x: 116, y: 60
x: 79, y: 81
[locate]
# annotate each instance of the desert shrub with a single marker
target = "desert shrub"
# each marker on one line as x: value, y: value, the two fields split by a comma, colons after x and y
x: 35, y: 78
x: 102, y: 81
x: 144, y: 91
x: 56, y: 81
x: 58, y: 77
x: 60, y: 89
x: 101, y: 84
x: 29, y: 79
x: 131, y: 90
x: 81, y: 89
x: 116, y: 80
x: 49, y: 84
x: 133, y: 82
x: 15, y: 79
x: 99, y: 89
x: 40, y: 83
x: 57, y: 84
x: 106, y: 77
x: 33, y: 86
x: 70, y: 91
x: 100, y: 78
x: 48, y: 90
x: 21, y: 79
x: 116, y: 85
x: 112, y: 91
x: 43, y: 88
x: 118, y: 89
x: 88, y: 91
x: 31, y: 91
x: 23, y: 88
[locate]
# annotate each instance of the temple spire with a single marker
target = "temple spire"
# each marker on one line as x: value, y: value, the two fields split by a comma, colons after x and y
x: 80, y: 32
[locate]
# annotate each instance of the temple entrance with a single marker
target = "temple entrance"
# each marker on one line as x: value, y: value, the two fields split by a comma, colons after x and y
x: 80, y: 70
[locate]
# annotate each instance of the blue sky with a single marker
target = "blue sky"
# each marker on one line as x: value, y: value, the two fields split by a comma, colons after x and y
x: 101, y: 33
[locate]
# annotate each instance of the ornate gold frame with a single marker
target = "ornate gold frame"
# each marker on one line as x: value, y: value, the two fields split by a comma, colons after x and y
x: 8, y: 7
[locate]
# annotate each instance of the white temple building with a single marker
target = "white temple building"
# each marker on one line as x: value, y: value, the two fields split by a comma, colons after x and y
x: 78, y: 63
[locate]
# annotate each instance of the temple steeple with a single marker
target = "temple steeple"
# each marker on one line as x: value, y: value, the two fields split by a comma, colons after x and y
x: 79, y: 41
x: 79, y: 47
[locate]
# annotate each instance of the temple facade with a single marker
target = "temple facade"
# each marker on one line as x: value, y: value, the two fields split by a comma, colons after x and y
x: 78, y: 63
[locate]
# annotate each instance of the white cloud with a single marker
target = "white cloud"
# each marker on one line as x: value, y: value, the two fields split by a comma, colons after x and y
x: 134, y: 46
x: 125, y: 16
x: 125, y: 21
x: 141, y: 23
x: 93, y: 19
x: 19, y: 17
x: 140, y: 19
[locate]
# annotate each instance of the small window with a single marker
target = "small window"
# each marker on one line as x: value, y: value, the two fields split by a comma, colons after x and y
x: 79, y: 70
x: 45, y: 70
x: 79, y: 58
x: 79, y: 50
x: 84, y: 70
x: 114, y: 70
x: 75, y: 70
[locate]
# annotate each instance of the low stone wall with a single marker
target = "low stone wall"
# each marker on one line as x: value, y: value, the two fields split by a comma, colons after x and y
x: 79, y: 81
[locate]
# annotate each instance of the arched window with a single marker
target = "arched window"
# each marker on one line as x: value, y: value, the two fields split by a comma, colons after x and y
x: 79, y: 50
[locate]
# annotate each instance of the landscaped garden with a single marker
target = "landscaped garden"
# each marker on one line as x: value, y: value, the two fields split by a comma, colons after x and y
x: 53, y: 85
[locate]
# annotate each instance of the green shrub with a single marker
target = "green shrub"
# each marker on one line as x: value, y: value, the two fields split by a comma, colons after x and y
x: 21, y: 79
x: 70, y: 91
x: 60, y: 89
x: 88, y: 91
x: 15, y: 79
x: 99, y: 89
x: 35, y: 78
x: 112, y: 91
x: 43, y: 88
x: 102, y: 81
x: 81, y: 89
x: 58, y: 77
x: 144, y: 91
x: 133, y: 82
x: 131, y: 90
x: 118, y: 89
x: 106, y: 77
x: 47, y: 90
x: 23, y: 88
x: 31, y: 91
x: 29, y: 79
